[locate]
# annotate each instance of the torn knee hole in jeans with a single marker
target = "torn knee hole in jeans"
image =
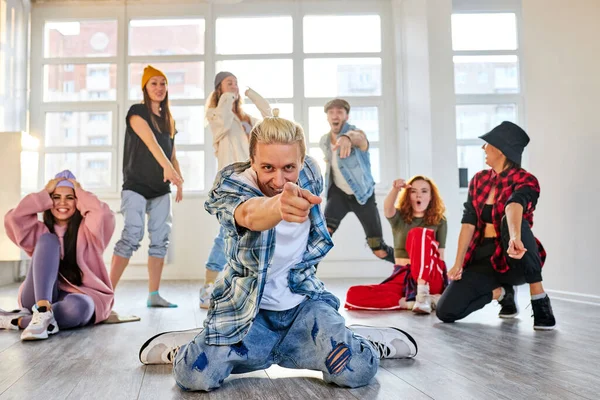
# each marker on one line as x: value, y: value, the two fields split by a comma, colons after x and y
x: 338, y: 359
x: 375, y: 243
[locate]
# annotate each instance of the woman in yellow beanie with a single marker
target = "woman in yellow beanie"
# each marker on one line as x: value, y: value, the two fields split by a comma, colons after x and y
x: 149, y: 167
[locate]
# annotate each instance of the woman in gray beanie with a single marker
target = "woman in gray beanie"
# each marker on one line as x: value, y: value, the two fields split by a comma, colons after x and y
x: 230, y: 127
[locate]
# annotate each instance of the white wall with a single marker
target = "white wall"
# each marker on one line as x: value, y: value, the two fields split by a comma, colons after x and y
x: 427, y: 101
x: 561, y: 58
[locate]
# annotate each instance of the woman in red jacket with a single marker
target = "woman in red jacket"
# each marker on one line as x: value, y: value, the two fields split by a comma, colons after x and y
x: 496, y: 247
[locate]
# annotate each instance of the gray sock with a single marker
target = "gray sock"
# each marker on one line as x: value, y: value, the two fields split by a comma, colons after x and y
x: 538, y: 296
x: 154, y: 300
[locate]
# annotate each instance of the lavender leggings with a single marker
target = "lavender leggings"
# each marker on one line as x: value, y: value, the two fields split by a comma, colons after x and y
x: 70, y: 309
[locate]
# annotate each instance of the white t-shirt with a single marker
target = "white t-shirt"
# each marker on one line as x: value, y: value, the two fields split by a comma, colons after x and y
x: 337, y: 176
x: 291, y: 241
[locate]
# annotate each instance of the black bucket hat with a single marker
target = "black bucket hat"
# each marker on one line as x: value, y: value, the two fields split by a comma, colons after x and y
x: 509, y: 138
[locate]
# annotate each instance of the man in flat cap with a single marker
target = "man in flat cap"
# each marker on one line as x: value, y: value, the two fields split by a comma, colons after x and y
x: 349, y: 183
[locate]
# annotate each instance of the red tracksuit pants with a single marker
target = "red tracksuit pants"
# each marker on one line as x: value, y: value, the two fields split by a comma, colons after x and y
x: 425, y: 263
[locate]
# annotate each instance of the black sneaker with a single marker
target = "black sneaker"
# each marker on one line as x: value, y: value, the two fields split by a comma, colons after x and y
x: 543, y: 317
x: 509, y: 306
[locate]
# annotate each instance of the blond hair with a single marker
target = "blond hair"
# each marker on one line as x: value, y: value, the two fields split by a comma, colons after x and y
x: 277, y: 130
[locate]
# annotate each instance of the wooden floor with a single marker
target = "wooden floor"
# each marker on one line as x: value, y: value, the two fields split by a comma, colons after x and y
x: 479, y: 358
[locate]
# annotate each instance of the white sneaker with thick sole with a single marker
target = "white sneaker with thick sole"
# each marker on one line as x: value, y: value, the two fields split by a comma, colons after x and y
x: 422, y: 304
x: 6, y: 318
x: 161, y: 348
x: 42, y: 324
x: 389, y: 342
x: 205, y: 295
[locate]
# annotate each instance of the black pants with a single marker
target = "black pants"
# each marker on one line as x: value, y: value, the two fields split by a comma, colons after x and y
x: 474, y: 290
x: 339, y: 204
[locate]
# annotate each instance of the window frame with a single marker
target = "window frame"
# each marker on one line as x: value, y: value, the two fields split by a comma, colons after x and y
x: 389, y: 138
x: 491, y: 7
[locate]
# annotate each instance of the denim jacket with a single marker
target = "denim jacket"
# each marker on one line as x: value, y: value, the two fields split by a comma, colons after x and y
x: 356, y: 168
x: 236, y: 298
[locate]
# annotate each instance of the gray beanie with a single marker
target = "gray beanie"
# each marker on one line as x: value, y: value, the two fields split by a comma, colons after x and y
x: 220, y: 76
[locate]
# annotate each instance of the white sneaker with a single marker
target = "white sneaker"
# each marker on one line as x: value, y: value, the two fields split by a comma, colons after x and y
x: 6, y: 318
x: 422, y: 304
x: 42, y: 324
x: 205, y: 295
x: 389, y: 342
x: 162, y: 348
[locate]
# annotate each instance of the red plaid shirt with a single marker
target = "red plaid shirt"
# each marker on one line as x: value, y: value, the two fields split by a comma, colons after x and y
x: 506, y: 183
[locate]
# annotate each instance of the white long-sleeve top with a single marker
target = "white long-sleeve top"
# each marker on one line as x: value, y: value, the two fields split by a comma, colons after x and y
x: 230, y: 140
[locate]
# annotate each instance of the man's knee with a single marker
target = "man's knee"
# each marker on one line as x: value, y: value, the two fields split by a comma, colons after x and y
x: 351, y: 370
x: 195, y: 376
x: 380, y: 248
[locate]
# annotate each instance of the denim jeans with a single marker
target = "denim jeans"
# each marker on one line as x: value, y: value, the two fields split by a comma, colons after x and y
x: 216, y: 259
x: 311, y: 335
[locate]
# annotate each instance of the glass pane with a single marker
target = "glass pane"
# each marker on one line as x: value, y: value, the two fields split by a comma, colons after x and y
x: 484, y: 31
x: 317, y: 124
x: 93, y: 170
x: 186, y: 79
x: 472, y: 158
x: 286, y: 110
x: 189, y: 122
x: 192, y: 168
x: 322, y: 34
x: 256, y: 35
x: 375, y: 164
x: 78, y: 128
x: 165, y: 37
x: 331, y: 77
x: 473, y: 121
x: 319, y: 157
x: 80, y: 39
x: 270, y: 78
x: 80, y: 82
x: 367, y: 120
x: 486, y: 74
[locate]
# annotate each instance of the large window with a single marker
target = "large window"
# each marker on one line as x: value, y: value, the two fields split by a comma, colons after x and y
x: 348, y: 67
x: 176, y: 47
x: 486, y: 81
x: 87, y: 66
x: 79, y: 88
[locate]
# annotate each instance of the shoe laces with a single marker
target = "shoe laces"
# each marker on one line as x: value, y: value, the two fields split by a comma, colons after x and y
x: 383, y: 349
x: 37, y: 318
x: 173, y: 353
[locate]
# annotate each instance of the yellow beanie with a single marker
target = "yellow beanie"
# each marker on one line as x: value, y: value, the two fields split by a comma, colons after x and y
x: 149, y: 72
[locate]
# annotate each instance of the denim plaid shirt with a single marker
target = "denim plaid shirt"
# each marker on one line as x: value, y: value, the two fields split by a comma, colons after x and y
x: 236, y: 298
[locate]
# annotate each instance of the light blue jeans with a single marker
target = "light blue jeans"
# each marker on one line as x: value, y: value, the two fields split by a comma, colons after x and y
x: 311, y: 335
x: 134, y: 208
x: 216, y: 259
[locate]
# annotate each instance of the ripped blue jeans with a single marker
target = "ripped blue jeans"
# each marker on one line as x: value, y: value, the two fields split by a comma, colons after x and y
x: 311, y: 335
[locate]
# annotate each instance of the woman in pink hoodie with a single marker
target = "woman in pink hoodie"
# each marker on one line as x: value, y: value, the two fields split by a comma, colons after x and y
x: 67, y: 285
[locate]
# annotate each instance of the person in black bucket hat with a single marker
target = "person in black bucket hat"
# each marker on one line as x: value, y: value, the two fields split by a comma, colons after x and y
x: 497, y: 249
x: 510, y: 139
